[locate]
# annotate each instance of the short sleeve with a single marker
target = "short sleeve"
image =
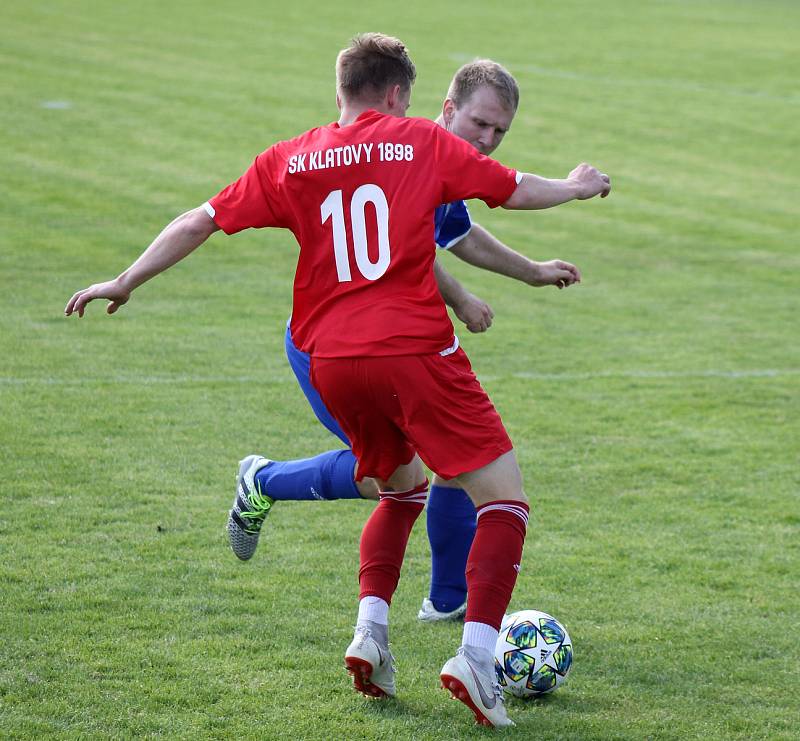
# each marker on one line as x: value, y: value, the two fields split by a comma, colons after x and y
x: 451, y: 224
x: 466, y: 173
x: 252, y: 201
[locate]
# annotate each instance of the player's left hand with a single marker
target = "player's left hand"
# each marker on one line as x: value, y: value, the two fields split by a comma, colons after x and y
x: 556, y: 273
x: 476, y: 314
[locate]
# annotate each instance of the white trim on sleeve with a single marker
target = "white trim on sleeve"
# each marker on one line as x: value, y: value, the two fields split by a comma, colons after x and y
x: 457, y: 239
x: 518, y: 177
x: 454, y: 241
x: 209, y: 209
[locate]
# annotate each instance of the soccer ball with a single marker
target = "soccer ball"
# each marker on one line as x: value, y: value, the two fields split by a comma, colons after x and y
x: 533, y: 654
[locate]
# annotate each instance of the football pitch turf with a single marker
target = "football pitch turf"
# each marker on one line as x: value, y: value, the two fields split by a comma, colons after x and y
x: 654, y: 408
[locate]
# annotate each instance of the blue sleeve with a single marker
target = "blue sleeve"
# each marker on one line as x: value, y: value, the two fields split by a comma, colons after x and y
x: 451, y: 223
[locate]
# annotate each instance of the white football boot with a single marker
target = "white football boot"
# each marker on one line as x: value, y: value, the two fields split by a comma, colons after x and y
x: 429, y: 614
x: 470, y: 676
x: 370, y: 664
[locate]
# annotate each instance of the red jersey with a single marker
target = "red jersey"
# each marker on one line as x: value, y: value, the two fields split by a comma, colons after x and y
x: 360, y: 201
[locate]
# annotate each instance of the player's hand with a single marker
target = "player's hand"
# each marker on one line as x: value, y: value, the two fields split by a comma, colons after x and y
x: 475, y: 313
x: 110, y: 290
x: 590, y: 181
x: 556, y: 273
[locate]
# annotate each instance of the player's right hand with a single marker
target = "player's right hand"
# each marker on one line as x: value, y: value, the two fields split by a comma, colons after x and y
x: 590, y: 181
x: 111, y: 290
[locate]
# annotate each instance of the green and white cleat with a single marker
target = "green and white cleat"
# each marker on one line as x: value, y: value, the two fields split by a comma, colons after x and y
x: 250, y: 508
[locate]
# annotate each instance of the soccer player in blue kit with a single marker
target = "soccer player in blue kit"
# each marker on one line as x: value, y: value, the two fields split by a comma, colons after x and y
x: 480, y: 106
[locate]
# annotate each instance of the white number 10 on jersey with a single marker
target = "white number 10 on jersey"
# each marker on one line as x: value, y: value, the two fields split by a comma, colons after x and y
x: 333, y: 207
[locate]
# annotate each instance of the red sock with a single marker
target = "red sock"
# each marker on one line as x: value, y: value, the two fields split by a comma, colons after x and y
x: 384, y: 539
x: 494, y: 560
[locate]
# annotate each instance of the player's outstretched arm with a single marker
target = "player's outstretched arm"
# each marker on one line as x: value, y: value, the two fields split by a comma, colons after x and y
x: 483, y: 250
x: 534, y: 192
x: 474, y: 312
x: 176, y: 241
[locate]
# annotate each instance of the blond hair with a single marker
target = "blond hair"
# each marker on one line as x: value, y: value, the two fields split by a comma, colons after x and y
x: 474, y: 75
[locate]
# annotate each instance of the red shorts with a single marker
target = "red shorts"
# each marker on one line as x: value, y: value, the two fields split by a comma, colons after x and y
x: 394, y: 406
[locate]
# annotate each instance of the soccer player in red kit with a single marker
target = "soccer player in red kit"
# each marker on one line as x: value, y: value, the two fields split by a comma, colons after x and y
x: 359, y: 196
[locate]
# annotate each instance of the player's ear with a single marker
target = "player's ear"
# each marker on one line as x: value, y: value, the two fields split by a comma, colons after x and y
x: 393, y: 97
x: 448, y: 112
x: 338, y: 102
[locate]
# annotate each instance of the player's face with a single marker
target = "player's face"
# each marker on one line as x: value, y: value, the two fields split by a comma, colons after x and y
x: 482, y: 119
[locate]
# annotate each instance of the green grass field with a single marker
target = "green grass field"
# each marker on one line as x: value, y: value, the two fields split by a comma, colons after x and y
x: 654, y: 408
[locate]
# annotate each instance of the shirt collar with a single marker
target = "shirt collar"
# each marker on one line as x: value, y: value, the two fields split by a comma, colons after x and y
x: 370, y: 113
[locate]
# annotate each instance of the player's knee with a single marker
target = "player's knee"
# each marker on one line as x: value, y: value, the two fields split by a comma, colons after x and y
x: 368, y: 488
x: 516, y: 496
x: 406, y: 476
x: 507, y: 495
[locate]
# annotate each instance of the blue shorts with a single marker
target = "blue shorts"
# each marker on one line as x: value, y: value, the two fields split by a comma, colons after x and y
x: 300, y: 363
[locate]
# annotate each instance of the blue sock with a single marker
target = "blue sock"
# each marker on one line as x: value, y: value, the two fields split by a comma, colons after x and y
x: 451, y: 528
x: 325, y: 476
